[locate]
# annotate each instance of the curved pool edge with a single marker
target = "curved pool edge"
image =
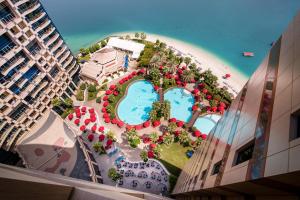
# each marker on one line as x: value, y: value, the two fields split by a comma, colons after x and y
x: 125, y: 94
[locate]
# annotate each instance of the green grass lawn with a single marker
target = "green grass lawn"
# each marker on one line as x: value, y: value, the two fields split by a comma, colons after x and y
x: 174, y: 157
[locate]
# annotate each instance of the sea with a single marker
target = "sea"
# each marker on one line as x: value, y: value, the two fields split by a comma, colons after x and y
x: 225, y: 28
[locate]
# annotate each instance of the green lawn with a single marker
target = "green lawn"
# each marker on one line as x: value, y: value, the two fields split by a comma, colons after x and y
x: 174, y: 157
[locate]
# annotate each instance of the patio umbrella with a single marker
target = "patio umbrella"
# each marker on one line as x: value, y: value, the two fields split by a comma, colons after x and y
x: 160, y: 139
x: 203, y: 136
x: 201, y: 85
x: 177, y: 133
x: 156, y: 123
x: 156, y: 87
x: 82, y: 128
x: 146, y: 124
x: 208, y: 97
x: 77, y: 110
x: 134, y: 73
x: 214, y: 109
x: 83, y: 109
x: 195, y: 91
x: 152, y: 145
x: 109, y: 142
x: 138, y: 127
x: 204, y: 91
x: 146, y: 139
x: 150, y: 154
x: 103, y: 110
x: 121, y: 82
x: 130, y: 76
x: 112, y: 87
x: 105, y: 115
x: 101, y: 129
x: 105, y: 98
x: 92, y: 110
x: 114, y: 121
x: 141, y: 71
x: 87, y: 121
x: 94, y: 128
x: 116, y: 93
x: 107, y: 120
x: 197, y: 133
x: 222, y: 104
x: 227, y: 75
x: 178, y: 82
x: 91, y: 137
x: 180, y: 123
x: 77, y: 121
x: 93, y: 118
x: 179, y: 71
x: 172, y: 120
x: 129, y: 127
x: 194, y: 107
x: 101, y: 137
x: 208, y: 108
x: 70, y: 116
x: 120, y: 124
x: 108, y: 92
x: 78, y: 115
x: 105, y: 104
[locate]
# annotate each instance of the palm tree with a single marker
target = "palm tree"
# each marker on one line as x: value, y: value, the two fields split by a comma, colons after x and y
x: 136, y: 35
x: 187, y: 76
x: 68, y: 102
x: 56, y: 103
x: 97, y: 146
x: 143, y: 36
x: 127, y: 37
x: 187, y: 60
x: 154, y: 61
x: 153, y: 136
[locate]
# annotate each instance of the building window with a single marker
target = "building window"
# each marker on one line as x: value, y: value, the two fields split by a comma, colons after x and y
x: 295, y: 125
x: 203, y: 174
x: 216, y: 168
x: 244, y: 153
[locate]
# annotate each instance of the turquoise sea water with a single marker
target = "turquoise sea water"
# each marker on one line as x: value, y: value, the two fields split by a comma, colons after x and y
x: 134, y: 109
x: 206, y: 123
x: 224, y: 27
x: 181, y: 103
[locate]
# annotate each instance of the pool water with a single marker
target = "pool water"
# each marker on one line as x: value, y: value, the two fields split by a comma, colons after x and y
x: 181, y: 103
x: 206, y: 123
x: 134, y: 109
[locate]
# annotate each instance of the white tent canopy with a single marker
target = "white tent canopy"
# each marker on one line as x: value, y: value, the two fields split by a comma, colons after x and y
x: 134, y: 47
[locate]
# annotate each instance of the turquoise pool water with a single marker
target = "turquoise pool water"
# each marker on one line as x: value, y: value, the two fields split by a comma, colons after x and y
x: 134, y: 109
x: 181, y: 103
x: 206, y: 123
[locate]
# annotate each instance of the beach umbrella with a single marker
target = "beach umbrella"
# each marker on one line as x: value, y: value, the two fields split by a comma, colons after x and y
x: 91, y: 137
x: 112, y: 87
x: 101, y: 129
x: 92, y: 110
x: 77, y: 121
x: 177, y: 133
x: 138, y: 127
x: 197, y: 133
x: 83, y: 109
x: 152, y: 145
x: 107, y: 120
x: 114, y: 121
x: 201, y: 85
x: 87, y: 121
x: 150, y: 154
x: 82, y: 128
x: 103, y: 110
x: 172, y: 120
x: 94, y: 128
x: 101, y: 137
x: 108, y: 92
x: 109, y: 142
x: 105, y: 98
x: 180, y: 123
x: 214, y: 109
x: 204, y: 91
x: 156, y: 123
x: 105, y: 104
x: 146, y: 124
x: 203, y: 136
x: 116, y: 93
x: 120, y: 124
x: 194, y: 107
x: 70, y: 116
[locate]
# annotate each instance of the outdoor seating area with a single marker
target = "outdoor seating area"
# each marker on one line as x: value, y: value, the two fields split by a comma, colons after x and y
x: 145, y: 176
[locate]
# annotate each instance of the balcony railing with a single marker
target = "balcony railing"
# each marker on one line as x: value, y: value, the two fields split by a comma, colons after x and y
x: 7, y: 48
x: 7, y: 18
x: 26, y: 6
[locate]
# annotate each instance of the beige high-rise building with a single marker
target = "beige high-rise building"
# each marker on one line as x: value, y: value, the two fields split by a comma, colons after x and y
x: 35, y: 66
x: 254, y: 150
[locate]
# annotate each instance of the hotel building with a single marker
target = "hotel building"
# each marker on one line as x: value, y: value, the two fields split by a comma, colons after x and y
x: 35, y: 66
x: 253, y: 152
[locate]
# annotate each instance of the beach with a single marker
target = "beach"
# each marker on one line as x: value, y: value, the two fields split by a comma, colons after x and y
x: 204, y: 59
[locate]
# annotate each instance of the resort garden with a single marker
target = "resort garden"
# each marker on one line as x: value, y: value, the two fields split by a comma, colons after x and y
x: 140, y: 106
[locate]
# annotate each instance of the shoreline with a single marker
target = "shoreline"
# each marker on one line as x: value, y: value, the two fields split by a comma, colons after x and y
x: 207, y: 60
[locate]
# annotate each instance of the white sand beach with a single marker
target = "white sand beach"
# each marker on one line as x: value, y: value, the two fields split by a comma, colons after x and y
x: 204, y: 59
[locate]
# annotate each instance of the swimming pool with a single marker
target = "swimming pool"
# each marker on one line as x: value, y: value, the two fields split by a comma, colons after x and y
x: 206, y: 123
x: 134, y: 109
x: 181, y: 103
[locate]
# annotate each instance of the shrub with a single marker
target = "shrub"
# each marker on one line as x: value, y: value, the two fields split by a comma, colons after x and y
x: 153, y: 136
x: 98, y: 100
x: 144, y: 156
x: 80, y: 95
x: 82, y: 86
x: 103, y: 87
x: 97, y: 146
x: 92, y: 88
x: 111, y: 99
x: 172, y: 126
x: 111, y: 135
x: 133, y: 139
x: 113, y: 174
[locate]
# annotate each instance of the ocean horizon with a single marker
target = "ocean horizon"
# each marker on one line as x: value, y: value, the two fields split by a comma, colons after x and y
x: 224, y: 28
